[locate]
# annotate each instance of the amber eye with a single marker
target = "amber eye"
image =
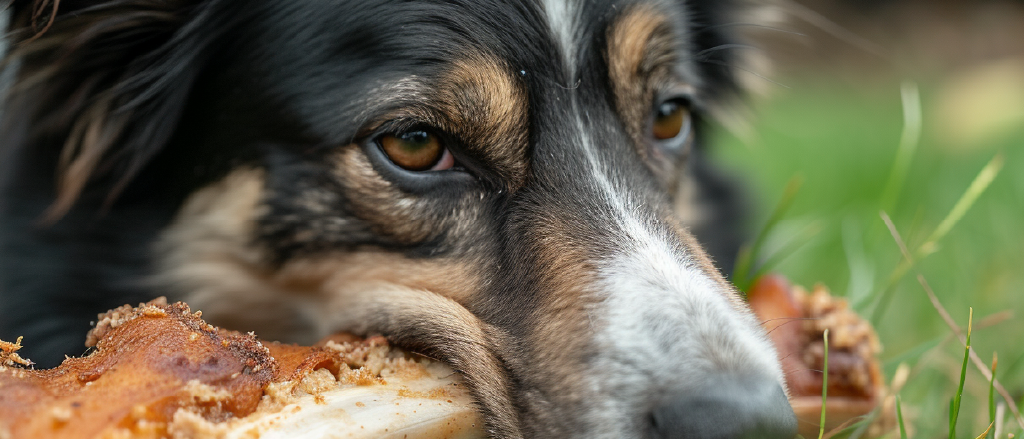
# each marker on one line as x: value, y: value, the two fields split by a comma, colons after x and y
x: 416, y: 150
x: 669, y: 120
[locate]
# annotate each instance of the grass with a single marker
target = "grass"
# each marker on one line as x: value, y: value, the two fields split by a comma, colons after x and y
x: 954, y: 405
x: 899, y: 418
x: 824, y: 387
x: 848, y: 146
x: 991, y: 395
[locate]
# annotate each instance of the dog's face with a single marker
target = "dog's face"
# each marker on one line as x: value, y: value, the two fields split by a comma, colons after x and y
x: 495, y: 184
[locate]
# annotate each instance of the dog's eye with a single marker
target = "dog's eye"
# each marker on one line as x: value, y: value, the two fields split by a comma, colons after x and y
x: 416, y: 150
x: 670, y: 119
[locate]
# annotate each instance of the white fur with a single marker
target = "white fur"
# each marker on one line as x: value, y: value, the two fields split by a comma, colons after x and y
x: 562, y: 17
x: 662, y: 323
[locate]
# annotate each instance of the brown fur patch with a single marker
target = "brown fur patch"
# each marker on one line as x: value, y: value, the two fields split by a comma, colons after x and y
x: 208, y: 257
x: 92, y: 135
x: 567, y: 279
x: 641, y: 47
x: 483, y: 101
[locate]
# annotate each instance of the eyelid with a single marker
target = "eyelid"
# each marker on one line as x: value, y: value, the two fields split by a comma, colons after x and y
x: 683, y: 100
x: 399, y: 125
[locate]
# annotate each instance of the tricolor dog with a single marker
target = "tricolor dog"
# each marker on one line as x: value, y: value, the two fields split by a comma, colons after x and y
x: 512, y: 187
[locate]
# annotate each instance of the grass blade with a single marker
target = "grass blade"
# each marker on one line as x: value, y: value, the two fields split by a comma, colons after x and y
x: 909, y: 140
x: 824, y: 389
x: 987, y: 430
x: 741, y: 274
x: 952, y: 418
x: 982, y: 367
x: 954, y: 408
x: 794, y: 244
x: 914, y: 352
x: 863, y: 426
x: 977, y: 187
x: 899, y: 417
x: 992, y: 396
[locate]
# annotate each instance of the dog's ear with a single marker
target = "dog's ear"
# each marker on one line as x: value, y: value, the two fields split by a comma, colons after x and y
x: 103, y: 83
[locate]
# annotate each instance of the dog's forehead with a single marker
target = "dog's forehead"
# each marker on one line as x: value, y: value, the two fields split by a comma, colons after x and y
x: 576, y: 25
x: 339, y: 58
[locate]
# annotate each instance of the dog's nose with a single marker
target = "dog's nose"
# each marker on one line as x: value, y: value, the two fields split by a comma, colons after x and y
x: 731, y: 407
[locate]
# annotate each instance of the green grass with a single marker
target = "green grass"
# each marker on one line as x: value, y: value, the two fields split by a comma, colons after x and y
x: 847, y: 146
x: 954, y: 405
x: 899, y: 418
x: 824, y: 387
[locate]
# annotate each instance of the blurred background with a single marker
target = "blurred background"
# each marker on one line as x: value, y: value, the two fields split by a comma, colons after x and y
x: 847, y: 84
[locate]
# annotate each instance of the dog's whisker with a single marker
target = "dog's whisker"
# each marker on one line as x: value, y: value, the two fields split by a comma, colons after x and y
x: 790, y: 321
x: 702, y: 54
x: 754, y: 25
x: 789, y: 318
x: 758, y: 75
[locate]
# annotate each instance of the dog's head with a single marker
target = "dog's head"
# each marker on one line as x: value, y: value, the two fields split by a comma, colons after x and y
x: 496, y: 184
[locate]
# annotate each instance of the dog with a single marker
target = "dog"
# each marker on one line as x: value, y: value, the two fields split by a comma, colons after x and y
x: 512, y: 187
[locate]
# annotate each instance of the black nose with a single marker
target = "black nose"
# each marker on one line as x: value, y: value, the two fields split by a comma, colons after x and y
x: 729, y: 407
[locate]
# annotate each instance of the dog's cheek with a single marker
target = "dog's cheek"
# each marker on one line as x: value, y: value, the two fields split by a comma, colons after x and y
x: 217, y: 221
x: 209, y: 257
x: 331, y: 276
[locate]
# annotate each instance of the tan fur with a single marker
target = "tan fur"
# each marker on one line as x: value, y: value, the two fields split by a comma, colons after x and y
x: 568, y: 273
x: 640, y: 52
x: 566, y: 270
x: 208, y: 253
x: 485, y: 104
x: 686, y: 201
x: 567, y: 279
